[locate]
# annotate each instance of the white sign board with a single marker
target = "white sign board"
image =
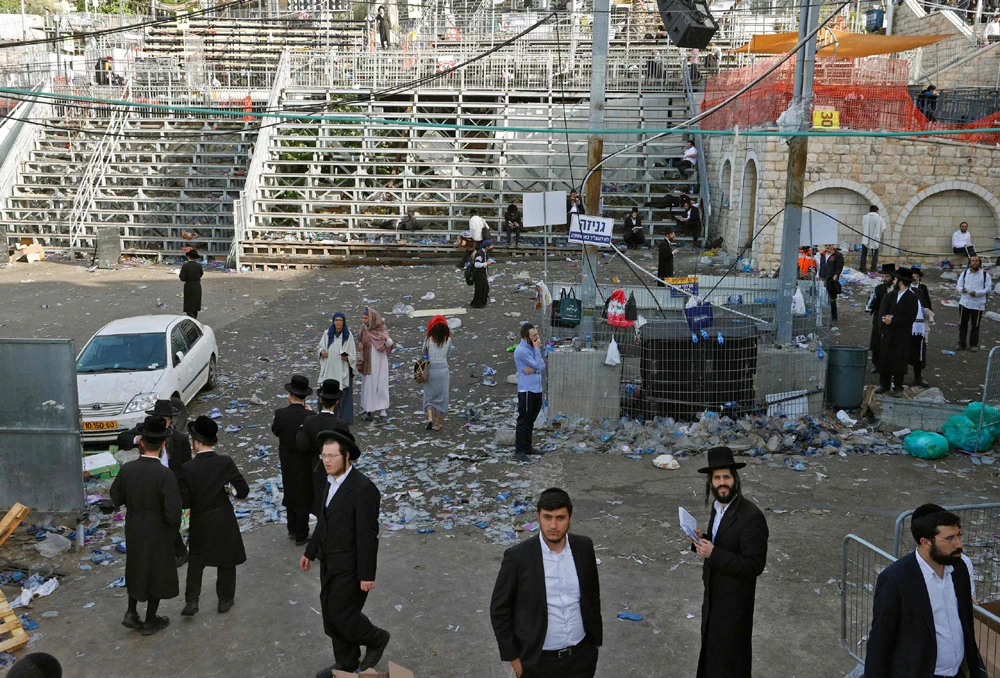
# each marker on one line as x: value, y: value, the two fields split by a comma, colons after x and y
x: 591, y: 231
x: 541, y: 209
x: 819, y: 229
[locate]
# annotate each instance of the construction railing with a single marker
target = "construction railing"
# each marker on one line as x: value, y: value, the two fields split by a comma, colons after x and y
x: 23, y: 138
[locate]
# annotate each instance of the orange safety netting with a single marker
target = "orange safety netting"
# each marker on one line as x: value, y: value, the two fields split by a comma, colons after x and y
x: 868, y: 94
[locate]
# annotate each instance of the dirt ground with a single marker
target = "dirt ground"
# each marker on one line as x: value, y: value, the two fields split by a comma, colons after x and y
x: 434, y: 587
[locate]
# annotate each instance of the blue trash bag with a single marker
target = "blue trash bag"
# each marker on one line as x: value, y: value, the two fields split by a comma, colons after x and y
x: 961, y: 433
x: 925, y: 445
x: 991, y: 418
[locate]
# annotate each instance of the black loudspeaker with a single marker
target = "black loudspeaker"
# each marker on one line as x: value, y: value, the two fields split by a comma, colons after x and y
x: 689, y: 23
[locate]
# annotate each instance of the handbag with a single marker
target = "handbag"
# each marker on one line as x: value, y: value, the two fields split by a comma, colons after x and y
x: 631, y: 308
x: 570, y: 309
x: 422, y: 366
x: 470, y: 275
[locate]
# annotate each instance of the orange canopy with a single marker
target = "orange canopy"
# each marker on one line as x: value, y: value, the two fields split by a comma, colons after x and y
x: 841, y: 44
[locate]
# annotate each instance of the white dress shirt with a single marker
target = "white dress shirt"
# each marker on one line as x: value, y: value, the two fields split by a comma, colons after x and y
x: 872, y: 226
x: 979, y: 282
x: 959, y: 239
x: 720, y: 510
x: 690, y: 154
x: 476, y: 226
x: 335, y: 484
x: 947, y: 625
x: 992, y: 29
x: 562, y: 594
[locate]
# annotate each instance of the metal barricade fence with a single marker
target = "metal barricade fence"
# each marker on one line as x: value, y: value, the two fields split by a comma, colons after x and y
x: 980, y: 541
x: 990, y: 412
x: 862, y: 564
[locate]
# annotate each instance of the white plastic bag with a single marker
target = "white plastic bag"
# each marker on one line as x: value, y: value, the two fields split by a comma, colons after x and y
x: 798, y: 304
x: 614, y: 356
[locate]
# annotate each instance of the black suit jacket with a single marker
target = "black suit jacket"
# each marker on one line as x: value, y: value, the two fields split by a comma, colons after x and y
x: 902, y: 642
x: 346, y: 534
x: 831, y: 266
x: 519, y: 610
x: 214, y: 535
x: 178, y: 447
x: 305, y: 439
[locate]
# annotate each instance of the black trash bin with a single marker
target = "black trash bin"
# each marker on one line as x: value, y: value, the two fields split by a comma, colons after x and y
x: 845, y: 376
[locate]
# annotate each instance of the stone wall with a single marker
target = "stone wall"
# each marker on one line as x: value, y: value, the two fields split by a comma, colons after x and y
x: 977, y: 70
x: 906, y: 21
x: 923, y: 190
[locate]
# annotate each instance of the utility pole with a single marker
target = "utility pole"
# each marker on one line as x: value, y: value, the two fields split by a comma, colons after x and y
x: 595, y: 152
x: 798, y: 148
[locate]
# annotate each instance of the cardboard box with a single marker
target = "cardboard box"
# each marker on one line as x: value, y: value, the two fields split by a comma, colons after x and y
x: 395, y: 671
x: 988, y: 637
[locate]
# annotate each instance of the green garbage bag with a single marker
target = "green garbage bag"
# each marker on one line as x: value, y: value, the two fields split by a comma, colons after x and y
x: 991, y: 418
x: 925, y: 445
x: 961, y: 433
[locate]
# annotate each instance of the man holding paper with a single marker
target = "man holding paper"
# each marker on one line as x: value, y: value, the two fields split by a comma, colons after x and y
x: 735, y: 552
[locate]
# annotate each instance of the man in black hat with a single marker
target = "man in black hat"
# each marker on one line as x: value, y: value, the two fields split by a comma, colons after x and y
x: 191, y: 273
x: 874, y: 302
x: 665, y: 259
x: 307, y: 439
x: 346, y: 542
x: 897, y: 312
x: 296, y: 469
x: 735, y: 552
x: 153, y: 515
x: 36, y: 665
x: 214, y: 533
x: 176, y: 451
x: 831, y: 266
x: 922, y: 621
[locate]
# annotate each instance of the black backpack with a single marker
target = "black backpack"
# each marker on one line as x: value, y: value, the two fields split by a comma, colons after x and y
x: 469, y: 279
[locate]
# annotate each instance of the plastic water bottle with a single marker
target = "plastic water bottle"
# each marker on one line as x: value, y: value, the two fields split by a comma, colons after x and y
x: 694, y: 337
x: 819, y: 352
x: 159, y: 304
x: 587, y: 344
x: 719, y: 338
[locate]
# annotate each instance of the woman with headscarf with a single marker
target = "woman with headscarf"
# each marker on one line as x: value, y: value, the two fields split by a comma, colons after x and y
x: 480, y: 263
x: 436, y: 388
x: 338, y: 359
x: 374, y: 347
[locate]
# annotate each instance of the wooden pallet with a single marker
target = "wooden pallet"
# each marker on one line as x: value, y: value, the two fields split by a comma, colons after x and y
x: 11, y: 521
x: 12, y: 636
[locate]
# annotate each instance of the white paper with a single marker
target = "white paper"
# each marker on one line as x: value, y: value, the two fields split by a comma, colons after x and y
x: 688, y: 522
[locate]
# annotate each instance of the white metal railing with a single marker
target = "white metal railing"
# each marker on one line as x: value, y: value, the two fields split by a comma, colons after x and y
x: 25, y: 137
x: 94, y: 174
x: 704, y: 199
x: 251, y: 186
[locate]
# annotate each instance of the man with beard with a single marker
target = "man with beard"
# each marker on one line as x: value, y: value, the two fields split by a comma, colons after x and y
x: 897, y: 312
x: 346, y: 542
x: 307, y: 439
x: 922, y: 624
x: 665, y: 257
x: 874, y: 302
x: 735, y: 552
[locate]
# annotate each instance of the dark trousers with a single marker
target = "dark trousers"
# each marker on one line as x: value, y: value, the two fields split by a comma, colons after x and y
x: 298, y: 523
x: 864, y: 258
x: 342, y: 601
x: 225, y: 584
x: 634, y: 238
x: 528, y: 407
x: 191, y: 314
x: 890, y: 375
x: 180, y: 550
x: 972, y: 317
x: 581, y: 664
x: 967, y: 251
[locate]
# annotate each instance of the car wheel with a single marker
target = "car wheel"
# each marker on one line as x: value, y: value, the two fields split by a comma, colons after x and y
x: 210, y: 382
x: 180, y: 421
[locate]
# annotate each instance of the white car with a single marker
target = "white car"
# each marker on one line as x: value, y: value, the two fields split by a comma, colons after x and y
x: 130, y: 363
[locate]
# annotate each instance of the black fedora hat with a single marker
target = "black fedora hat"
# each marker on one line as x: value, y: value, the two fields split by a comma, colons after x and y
x: 888, y: 268
x: 904, y: 274
x: 154, y: 428
x: 343, y: 436
x: 164, y: 408
x: 720, y: 457
x: 204, y: 430
x: 299, y: 386
x: 330, y: 390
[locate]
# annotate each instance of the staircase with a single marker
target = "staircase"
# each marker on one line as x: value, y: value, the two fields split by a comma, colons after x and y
x: 168, y: 183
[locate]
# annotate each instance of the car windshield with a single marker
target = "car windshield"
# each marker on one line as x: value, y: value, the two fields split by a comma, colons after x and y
x: 124, y: 353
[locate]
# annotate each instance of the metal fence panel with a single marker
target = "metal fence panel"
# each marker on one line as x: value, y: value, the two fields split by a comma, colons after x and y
x: 861, y: 567
x: 980, y: 542
x: 991, y: 392
x: 40, y: 449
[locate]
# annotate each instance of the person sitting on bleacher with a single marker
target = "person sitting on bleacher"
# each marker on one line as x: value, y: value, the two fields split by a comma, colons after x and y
x: 993, y: 30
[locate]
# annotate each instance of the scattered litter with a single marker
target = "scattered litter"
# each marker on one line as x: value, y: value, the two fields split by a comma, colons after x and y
x: 666, y: 461
x: 629, y: 616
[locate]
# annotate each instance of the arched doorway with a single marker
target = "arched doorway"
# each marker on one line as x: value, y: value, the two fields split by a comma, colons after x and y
x: 925, y: 232
x: 748, y: 205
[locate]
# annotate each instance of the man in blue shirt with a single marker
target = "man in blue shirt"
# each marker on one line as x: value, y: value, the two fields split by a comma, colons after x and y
x: 530, y: 365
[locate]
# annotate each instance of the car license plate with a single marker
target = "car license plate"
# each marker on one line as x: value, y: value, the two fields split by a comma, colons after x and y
x: 100, y: 425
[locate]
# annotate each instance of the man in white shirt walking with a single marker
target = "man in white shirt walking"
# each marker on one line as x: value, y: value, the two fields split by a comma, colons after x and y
x: 975, y: 286
x: 922, y: 624
x: 961, y: 240
x: 872, y: 228
x: 558, y: 634
x: 477, y: 229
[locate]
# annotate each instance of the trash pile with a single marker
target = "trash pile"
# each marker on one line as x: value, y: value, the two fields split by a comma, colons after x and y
x: 961, y: 432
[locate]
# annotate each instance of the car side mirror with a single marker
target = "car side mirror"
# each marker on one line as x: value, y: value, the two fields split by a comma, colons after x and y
x: 179, y: 356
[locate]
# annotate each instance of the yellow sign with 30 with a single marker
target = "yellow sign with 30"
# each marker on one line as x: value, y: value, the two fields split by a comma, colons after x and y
x: 826, y: 119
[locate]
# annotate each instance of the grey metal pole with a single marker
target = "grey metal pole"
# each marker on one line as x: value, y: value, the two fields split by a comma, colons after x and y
x: 798, y: 149
x: 598, y: 86
x: 24, y: 23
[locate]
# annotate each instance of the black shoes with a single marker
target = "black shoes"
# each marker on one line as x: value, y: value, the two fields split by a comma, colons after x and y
x: 190, y: 609
x: 897, y: 392
x: 131, y: 620
x: 225, y: 606
x: 921, y: 382
x: 881, y: 389
x: 535, y: 450
x: 158, y: 624
x: 374, y: 652
x: 302, y: 541
x: 522, y: 457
